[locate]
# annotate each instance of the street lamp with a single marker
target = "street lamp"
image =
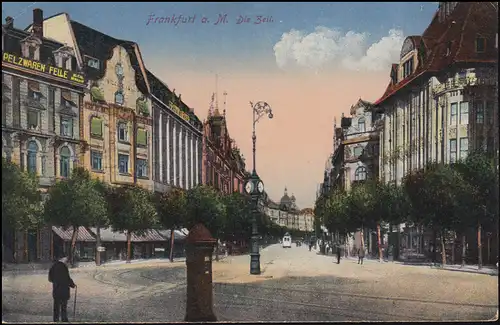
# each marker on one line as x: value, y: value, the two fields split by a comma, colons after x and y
x: 254, y: 187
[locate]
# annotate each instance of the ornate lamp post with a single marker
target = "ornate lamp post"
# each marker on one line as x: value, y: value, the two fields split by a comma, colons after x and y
x: 254, y: 187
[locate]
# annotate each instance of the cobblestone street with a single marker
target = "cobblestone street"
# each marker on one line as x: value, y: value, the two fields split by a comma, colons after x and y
x: 295, y: 285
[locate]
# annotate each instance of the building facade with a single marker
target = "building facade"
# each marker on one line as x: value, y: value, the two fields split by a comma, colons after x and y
x: 287, y: 214
x: 442, y: 101
x: 116, y: 116
x: 223, y: 166
x: 42, y: 94
x: 178, y: 139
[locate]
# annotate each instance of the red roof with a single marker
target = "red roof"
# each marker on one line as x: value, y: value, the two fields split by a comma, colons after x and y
x: 457, y: 32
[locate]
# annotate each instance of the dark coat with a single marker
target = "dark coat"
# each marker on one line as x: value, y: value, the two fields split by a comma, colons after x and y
x: 61, y: 281
x: 361, y: 252
x: 339, y: 251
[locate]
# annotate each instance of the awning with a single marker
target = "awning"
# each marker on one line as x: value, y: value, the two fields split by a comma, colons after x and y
x: 178, y: 234
x: 108, y: 235
x: 66, y: 95
x: 83, y: 234
x: 148, y: 236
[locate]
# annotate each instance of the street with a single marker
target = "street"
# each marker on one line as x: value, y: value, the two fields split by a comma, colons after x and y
x: 295, y: 285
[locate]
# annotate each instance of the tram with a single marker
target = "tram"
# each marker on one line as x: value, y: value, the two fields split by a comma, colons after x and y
x: 287, y: 241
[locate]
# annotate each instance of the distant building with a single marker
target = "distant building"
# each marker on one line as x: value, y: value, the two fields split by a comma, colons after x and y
x: 286, y: 213
x: 42, y: 93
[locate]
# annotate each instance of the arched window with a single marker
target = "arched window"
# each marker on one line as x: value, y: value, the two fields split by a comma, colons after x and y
x: 360, y: 174
x: 32, y: 155
x: 64, y: 158
x: 361, y: 124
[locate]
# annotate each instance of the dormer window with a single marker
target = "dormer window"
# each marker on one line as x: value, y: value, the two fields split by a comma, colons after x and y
x: 32, y: 52
x: 480, y: 44
x: 361, y: 125
x: 119, y: 98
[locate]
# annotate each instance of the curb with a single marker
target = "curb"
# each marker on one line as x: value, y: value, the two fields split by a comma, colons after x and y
x: 495, y: 273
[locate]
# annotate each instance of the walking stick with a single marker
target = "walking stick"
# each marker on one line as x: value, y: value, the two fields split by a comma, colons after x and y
x: 74, y: 305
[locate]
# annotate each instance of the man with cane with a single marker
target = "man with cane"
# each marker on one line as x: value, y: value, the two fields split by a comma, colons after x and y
x: 61, y: 284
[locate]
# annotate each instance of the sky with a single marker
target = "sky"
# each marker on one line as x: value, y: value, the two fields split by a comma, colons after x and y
x: 309, y: 61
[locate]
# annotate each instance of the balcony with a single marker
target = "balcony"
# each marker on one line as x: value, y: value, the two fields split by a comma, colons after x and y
x: 459, y: 83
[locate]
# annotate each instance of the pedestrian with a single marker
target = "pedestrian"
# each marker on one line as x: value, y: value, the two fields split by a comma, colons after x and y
x: 338, y: 254
x: 361, y: 255
x: 61, y: 284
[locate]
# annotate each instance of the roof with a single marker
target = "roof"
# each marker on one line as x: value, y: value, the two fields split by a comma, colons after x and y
x: 100, y: 46
x: 161, y: 91
x: 66, y: 235
x: 452, y: 41
x: 12, y: 44
x: 177, y: 234
x: 151, y: 235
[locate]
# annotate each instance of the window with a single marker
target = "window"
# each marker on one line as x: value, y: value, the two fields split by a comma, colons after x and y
x: 34, y: 90
x: 66, y: 100
x: 407, y: 68
x: 122, y: 132
x: 31, y: 52
x: 32, y: 119
x: 453, y: 150
x: 464, y: 113
x: 52, y: 97
x: 479, y: 112
x: 64, y: 63
x: 96, y: 127
x: 490, y: 114
x: 453, y: 114
x: 361, y: 125
x: 65, y: 155
x: 93, y: 63
x: 66, y: 127
x: 360, y: 174
x: 142, y: 168
x: 96, y: 160
x: 32, y: 155
x: 480, y: 44
x: 357, y: 151
x: 464, y: 147
x: 119, y: 98
x: 123, y: 164
x: 142, y: 137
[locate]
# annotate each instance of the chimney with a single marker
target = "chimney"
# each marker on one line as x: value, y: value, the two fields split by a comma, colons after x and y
x: 38, y: 23
x: 9, y: 22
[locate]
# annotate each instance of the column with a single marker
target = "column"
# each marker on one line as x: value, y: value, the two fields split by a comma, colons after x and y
x: 160, y: 154
x: 181, y: 178
x: 174, y: 146
x: 191, y: 159
x: 167, y: 136
x: 197, y: 166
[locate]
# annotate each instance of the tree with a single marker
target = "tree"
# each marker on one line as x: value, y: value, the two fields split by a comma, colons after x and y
x: 361, y: 204
x: 205, y: 205
x: 435, y: 190
x: 238, y: 221
x: 22, y: 208
x: 75, y: 202
x: 479, y: 208
x: 171, y: 208
x: 393, y: 206
x: 132, y: 210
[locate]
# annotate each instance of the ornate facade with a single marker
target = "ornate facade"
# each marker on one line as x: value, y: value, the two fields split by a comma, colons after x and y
x: 223, y: 165
x: 42, y: 93
x: 116, y: 118
x: 286, y: 213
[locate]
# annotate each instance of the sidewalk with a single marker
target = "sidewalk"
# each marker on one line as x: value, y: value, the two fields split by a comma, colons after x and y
x: 454, y: 268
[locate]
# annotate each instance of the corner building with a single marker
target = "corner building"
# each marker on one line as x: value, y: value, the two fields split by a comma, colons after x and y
x: 116, y: 118
x: 42, y: 94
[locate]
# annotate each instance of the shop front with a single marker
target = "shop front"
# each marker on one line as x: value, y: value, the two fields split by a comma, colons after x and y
x: 85, y: 244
